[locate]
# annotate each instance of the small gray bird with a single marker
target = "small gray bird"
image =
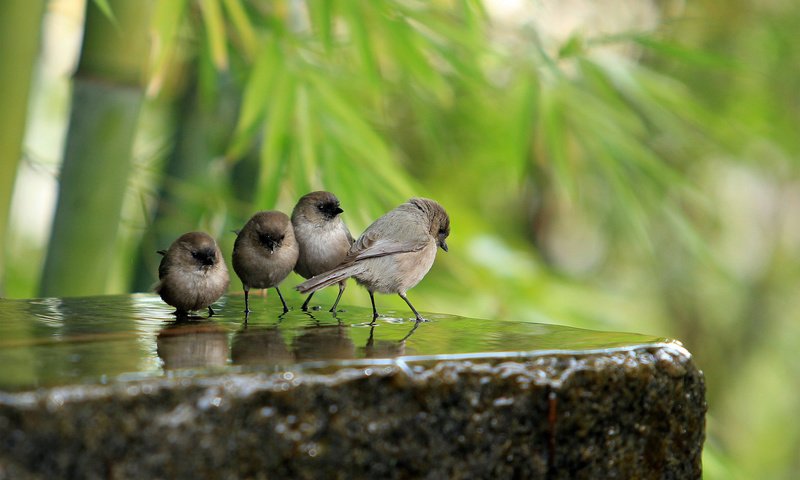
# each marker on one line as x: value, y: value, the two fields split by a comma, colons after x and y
x: 394, y: 253
x: 192, y: 275
x: 264, y: 253
x: 322, y: 236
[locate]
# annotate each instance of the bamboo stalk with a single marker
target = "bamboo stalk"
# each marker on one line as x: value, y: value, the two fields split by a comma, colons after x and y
x: 106, y: 100
x: 20, y: 26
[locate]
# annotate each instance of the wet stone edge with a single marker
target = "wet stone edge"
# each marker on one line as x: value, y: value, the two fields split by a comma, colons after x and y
x: 630, y: 412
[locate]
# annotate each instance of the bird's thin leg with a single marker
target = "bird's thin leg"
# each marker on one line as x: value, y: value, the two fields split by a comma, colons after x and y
x: 305, y: 304
x: 338, y: 297
x: 285, y: 308
x: 374, y: 310
x: 419, y: 317
x: 246, y: 300
x: 211, y: 312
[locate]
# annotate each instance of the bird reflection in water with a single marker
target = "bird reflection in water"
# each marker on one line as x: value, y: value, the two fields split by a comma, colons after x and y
x: 322, y: 342
x: 260, y: 346
x: 192, y: 345
x: 205, y: 344
x: 386, y: 348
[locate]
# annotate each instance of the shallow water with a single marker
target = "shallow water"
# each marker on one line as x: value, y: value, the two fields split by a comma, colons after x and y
x: 49, y: 342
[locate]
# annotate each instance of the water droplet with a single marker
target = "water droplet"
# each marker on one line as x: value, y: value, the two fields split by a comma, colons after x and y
x: 267, y: 411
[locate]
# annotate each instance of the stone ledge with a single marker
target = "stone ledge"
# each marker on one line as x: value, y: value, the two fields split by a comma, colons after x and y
x: 635, y: 412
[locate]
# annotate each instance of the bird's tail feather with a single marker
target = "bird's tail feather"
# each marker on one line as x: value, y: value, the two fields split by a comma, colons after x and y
x: 329, y: 278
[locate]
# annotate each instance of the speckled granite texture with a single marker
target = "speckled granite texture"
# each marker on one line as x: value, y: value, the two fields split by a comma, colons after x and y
x: 627, y: 413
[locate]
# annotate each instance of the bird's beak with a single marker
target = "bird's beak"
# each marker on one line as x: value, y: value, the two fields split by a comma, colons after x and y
x: 337, y: 211
x: 443, y: 244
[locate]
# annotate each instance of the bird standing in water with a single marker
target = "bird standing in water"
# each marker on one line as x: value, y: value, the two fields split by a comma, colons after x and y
x: 264, y: 253
x: 393, y: 254
x: 192, y: 275
x: 322, y: 236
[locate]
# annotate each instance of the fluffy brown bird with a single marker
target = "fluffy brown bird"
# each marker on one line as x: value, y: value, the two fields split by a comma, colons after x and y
x: 192, y: 275
x: 394, y: 253
x: 264, y: 253
x: 322, y: 236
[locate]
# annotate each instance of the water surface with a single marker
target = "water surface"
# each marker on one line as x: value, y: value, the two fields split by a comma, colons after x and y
x: 49, y: 342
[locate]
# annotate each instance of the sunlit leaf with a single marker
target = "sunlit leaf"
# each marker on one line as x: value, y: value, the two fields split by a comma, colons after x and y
x: 104, y: 7
x: 274, y: 154
x: 243, y: 27
x: 321, y: 16
x: 357, y: 21
x: 687, y: 55
x: 215, y: 30
x: 308, y: 141
x: 257, y: 92
x: 167, y: 20
x: 555, y: 141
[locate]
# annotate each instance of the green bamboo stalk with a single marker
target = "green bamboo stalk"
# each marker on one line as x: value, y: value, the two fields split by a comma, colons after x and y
x: 20, y: 25
x: 106, y: 100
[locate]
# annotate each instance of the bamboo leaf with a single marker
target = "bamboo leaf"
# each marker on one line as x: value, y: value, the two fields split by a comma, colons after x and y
x: 356, y: 20
x: 106, y: 9
x: 685, y: 54
x: 628, y: 202
x: 167, y: 20
x: 274, y: 154
x: 348, y: 128
x: 215, y: 30
x: 407, y: 50
x: 307, y: 141
x: 555, y: 141
x: 257, y: 92
x: 243, y: 26
x: 321, y: 15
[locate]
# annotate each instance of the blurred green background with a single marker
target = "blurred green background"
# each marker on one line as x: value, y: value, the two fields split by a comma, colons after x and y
x: 609, y: 164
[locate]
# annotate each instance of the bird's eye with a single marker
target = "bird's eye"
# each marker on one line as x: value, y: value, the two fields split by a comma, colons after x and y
x: 320, y: 206
x: 442, y: 231
x: 281, y: 238
x: 195, y: 253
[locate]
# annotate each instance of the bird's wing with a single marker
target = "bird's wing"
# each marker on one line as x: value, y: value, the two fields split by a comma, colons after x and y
x: 382, y: 248
x: 163, y: 267
x: 396, y: 232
